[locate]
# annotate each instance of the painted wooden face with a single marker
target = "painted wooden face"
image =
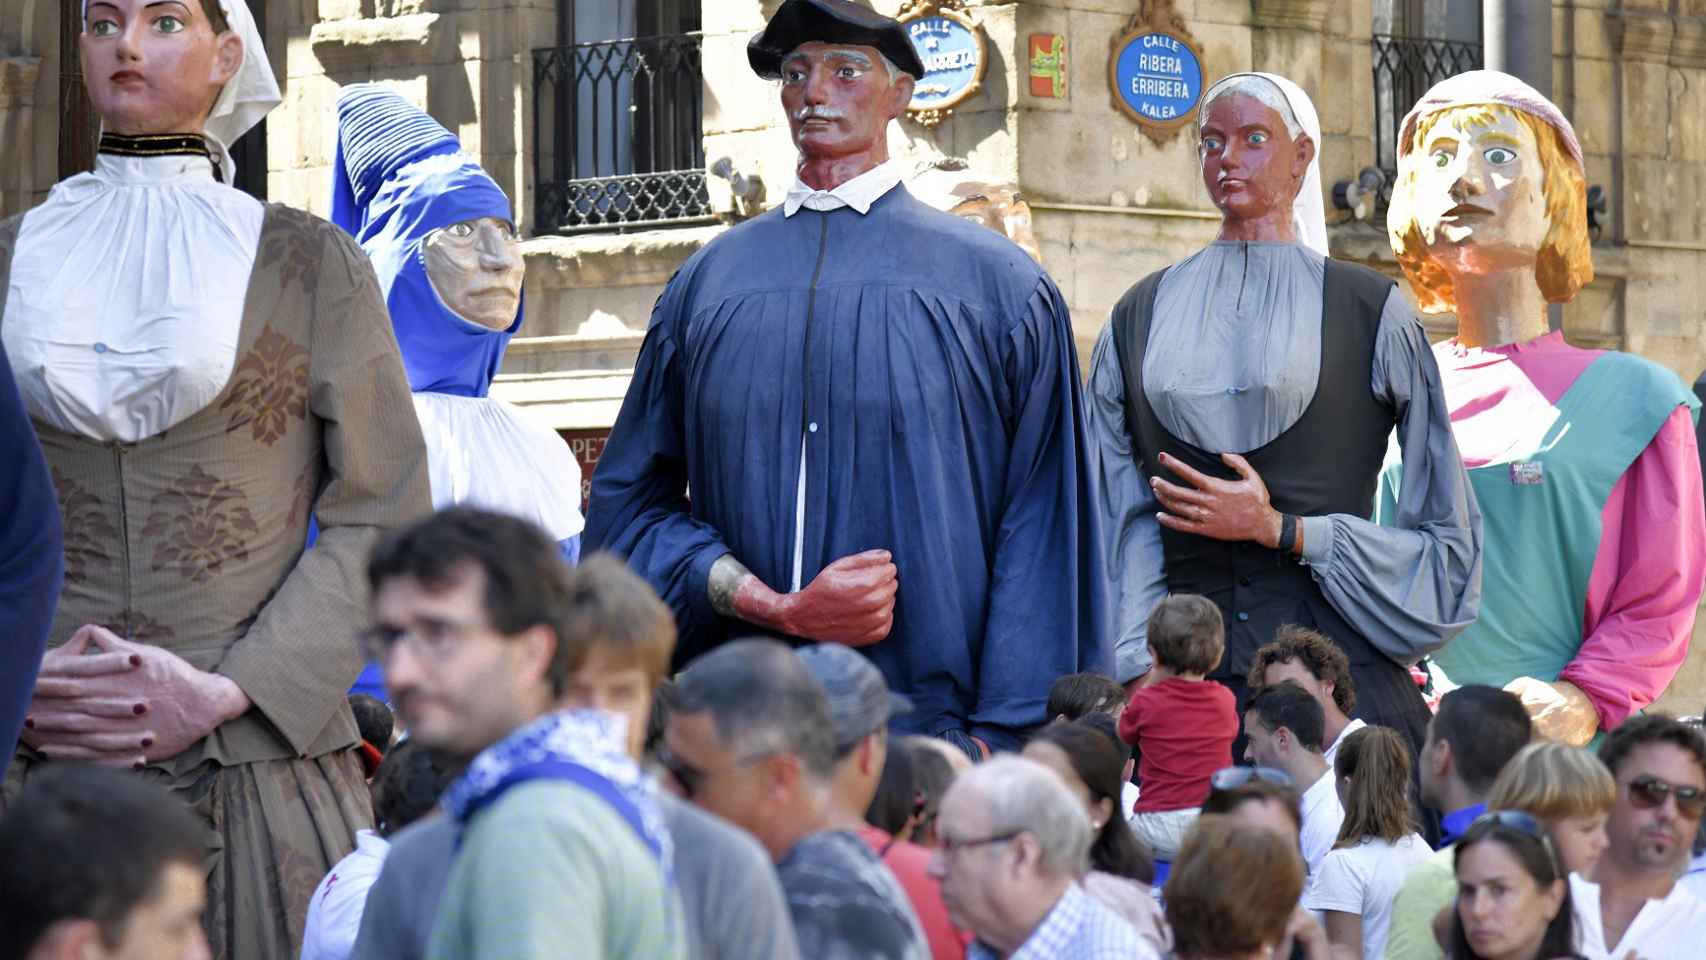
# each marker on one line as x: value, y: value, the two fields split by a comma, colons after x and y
x: 1251, y: 165
x: 1479, y: 197
x: 477, y: 269
x: 154, y: 66
x: 840, y: 99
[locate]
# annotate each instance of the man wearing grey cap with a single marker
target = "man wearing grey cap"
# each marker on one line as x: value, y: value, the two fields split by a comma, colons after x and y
x: 750, y: 739
x: 860, y: 706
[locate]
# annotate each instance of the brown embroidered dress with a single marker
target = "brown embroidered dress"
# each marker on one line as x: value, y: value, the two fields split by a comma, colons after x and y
x: 192, y: 539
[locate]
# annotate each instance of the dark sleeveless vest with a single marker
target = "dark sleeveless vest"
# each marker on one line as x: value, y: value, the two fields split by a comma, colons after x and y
x: 1327, y: 462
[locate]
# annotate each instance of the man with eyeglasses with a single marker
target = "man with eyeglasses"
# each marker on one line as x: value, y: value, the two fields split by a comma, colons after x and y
x: 560, y: 839
x: 751, y: 738
x: 1633, y: 904
x: 1014, y: 842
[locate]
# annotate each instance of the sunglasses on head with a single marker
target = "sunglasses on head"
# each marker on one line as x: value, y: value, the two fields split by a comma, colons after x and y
x: 1515, y: 821
x: 1648, y: 792
x: 1231, y: 778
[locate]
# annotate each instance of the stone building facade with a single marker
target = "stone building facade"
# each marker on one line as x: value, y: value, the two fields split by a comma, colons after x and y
x: 1109, y: 203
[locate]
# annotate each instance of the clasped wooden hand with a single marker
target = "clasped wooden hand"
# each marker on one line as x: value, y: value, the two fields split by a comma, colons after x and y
x: 103, y: 699
x: 1215, y: 508
x: 850, y: 601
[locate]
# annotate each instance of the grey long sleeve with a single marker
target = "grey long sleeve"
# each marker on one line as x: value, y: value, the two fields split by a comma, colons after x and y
x: 1131, y: 536
x: 1412, y: 581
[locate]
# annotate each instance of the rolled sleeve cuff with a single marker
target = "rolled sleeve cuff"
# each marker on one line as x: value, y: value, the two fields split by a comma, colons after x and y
x: 1318, y: 541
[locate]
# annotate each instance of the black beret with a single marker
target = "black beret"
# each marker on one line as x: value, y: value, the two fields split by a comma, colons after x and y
x: 829, y: 21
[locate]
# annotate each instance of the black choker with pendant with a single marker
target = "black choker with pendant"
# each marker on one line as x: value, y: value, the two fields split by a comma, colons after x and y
x: 160, y: 145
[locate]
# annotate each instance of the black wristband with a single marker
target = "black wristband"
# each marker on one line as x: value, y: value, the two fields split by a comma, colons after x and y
x: 1288, y: 534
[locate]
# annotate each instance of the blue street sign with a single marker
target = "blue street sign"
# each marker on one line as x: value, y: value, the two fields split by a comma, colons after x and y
x: 953, y: 61
x: 1158, y: 78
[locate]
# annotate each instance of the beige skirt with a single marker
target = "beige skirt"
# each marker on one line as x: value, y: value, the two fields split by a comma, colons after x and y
x: 275, y: 828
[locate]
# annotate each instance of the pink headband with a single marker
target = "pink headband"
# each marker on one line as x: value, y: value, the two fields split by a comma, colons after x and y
x: 1486, y: 87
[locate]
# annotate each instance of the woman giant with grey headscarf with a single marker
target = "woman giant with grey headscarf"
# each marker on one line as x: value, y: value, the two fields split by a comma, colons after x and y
x: 1241, y: 404
x: 206, y: 372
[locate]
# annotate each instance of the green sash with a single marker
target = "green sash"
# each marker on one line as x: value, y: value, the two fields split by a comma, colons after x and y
x: 1541, y: 513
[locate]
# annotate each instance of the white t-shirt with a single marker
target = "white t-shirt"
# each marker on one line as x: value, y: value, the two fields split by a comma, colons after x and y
x: 1364, y: 880
x: 1333, y: 748
x: 334, y: 913
x: 1322, y: 817
x: 1670, y: 929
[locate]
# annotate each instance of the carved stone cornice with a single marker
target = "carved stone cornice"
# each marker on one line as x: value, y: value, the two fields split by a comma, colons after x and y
x: 1688, y: 43
x: 18, y: 77
x: 1294, y: 14
x: 1641, y: 34
x: 345, y: 45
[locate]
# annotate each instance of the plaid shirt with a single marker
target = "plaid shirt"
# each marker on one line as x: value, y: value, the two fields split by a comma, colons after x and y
x: 1078, y: 928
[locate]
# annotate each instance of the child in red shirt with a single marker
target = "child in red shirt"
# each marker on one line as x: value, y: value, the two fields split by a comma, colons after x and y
x: 1182, y: 724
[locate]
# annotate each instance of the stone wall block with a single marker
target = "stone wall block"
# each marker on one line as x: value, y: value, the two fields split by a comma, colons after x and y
x: 1646, y: 108
x: 735, y: 97
x: 1593, y: 109
x: 1291, y: 14
x: 1590, y: 33
x: 1638, y: 34
x: 1293, y: 54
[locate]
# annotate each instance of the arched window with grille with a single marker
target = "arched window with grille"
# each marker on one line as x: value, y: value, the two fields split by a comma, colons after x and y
x: 1416, y: 44
x: 617, y: 115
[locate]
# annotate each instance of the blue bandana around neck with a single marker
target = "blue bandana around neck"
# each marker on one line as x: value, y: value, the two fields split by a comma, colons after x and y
x: 399, y: 176
x: 583, y: 747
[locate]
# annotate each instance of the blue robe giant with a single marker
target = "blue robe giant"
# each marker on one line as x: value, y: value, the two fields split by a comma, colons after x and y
x: 32, y: 559
x: 928, y: 365
x: 400, y: 176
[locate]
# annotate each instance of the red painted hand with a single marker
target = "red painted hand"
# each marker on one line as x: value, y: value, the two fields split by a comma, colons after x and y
x: 850, y: 601
x: 1215, y: 508
x: 107, y: 700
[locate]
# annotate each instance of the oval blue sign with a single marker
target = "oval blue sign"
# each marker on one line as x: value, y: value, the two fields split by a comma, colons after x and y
x: 953, y: 61
x: 1157, y: 78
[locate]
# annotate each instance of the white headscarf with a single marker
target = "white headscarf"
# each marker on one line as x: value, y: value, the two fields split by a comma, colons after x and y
x: 249, y: 95
x: 1308, y: 211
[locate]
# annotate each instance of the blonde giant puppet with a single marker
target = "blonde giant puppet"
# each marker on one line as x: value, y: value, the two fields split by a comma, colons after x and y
x: 1583, y: 461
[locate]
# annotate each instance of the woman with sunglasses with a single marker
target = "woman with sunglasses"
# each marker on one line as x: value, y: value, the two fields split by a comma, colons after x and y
x: 1090, y: 763
x: 1377, y: 845
x: 1513, y: 896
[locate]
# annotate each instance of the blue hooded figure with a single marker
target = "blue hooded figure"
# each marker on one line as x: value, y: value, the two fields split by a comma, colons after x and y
x: 443, y: 246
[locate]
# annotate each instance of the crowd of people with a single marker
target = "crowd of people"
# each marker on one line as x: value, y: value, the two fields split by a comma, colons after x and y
x: 557, y: 791
x: 884, y: 635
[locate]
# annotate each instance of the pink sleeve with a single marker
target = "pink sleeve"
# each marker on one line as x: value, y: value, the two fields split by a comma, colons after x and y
x: 1647, y: 577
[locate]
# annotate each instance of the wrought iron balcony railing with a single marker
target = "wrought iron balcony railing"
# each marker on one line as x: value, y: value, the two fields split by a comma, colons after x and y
x: 617, y: 135
x: 1404, y: 69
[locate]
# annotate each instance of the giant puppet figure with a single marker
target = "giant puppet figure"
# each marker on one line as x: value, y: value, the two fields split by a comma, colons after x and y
x: 877, y: 410
x: 1583, y: 461
x: 1241, y: 403
x: 444, y: 245
x: 206, y: 372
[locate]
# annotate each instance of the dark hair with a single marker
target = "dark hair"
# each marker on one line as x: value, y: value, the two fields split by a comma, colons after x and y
x: 1376, y: 762
x: 407, y: 785
x: 932, y: 776
x: 1537, y: 853
x: 526, y: 582
x: 1290, y: 706
x: 1078, y: 695
x: 373, y: 719
x: 899, y: 797
x: 1315, y: 652
x: 1109, y: 727
x: 1233, y: 888
x: 761, y: 697
x: 1187, y: 633
x: 216, y: 16
x: 1256, y: 790
x: 1650, y: 728
x: 611, y: 608
x: 1099, y: 762
x: 88, y: 843
x: 658, y: 722
x: 1486, y: 727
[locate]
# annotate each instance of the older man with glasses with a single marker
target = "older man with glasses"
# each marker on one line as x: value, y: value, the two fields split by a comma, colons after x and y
x: 1014, y: 844
x: 1633, y: 904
